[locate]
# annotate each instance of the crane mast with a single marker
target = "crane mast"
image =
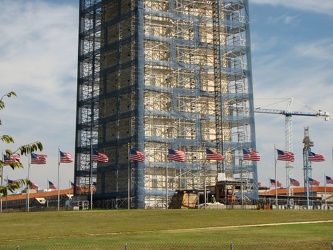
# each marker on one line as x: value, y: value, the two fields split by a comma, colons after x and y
x: 289, y: 142
x: 288, y: 113
x: 307, y: 169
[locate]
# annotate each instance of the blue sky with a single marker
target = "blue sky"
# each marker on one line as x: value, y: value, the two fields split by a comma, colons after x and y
x: 292, y: 57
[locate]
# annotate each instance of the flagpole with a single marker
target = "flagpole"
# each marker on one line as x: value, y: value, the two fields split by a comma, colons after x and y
x: 1, y: 185
x: 58, y: 178
x: 128, y: 177
x: 276, y: 196
x: 7, y: 196
x: 325, y: 190
x: 307, y: 177
x: 166, y: 185
x: 47, y: 192
x: 2, y: 170
x: 242, y: 192
x: 205, y: 191
x: 180, y: 178
x: 91, y: 171
x: 28, y: 187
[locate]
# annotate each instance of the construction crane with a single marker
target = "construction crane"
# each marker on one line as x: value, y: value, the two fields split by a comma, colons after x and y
x: 288, y: 113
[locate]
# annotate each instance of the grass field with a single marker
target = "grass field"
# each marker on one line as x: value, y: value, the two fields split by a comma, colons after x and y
x: 76, y: 229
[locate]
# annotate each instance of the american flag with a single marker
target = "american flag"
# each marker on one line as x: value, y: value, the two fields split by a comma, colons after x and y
x: 294, y: 182
x: 136, y: 155
x: 176, y: 155
x: 77, y: 187
x: 52, y: 186
x: 34, y: 186
x: 329, y: 180
x: 313, y: 182
x: 250, y: 155
x: 99, y: 157
x: 65, y: 157
x: 285, y: 156
x: 38, y: 159
x: 254, y: 155
x: 212, y: 155
x: 11, y: 159
x: 315, y: 157
x: 279, y: 184
x: 10, y: 182
x: 246, y: 155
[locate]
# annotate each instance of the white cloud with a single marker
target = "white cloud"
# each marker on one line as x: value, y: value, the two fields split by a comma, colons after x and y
x: 318, y: 50
x: 285, y: 18
x: 322, y: 6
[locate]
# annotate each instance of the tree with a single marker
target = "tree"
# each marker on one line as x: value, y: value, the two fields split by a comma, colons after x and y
x: 23, y: 150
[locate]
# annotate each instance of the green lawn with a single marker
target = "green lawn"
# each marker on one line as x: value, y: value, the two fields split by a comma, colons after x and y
x: 76, y: 229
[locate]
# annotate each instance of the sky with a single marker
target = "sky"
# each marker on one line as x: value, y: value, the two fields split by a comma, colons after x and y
x: 292, y: 57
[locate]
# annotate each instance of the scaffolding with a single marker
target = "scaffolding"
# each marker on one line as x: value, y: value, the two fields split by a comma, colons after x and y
x: 157, y: 75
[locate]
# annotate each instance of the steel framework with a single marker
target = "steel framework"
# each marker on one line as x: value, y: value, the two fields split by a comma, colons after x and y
x: 160, y: 74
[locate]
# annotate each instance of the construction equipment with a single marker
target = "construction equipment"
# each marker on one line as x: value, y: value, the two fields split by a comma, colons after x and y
x: 288, y: 113
x: 307, y: 168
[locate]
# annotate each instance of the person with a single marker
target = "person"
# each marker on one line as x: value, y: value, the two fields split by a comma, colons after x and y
x: 213, y: 199
x: 68, y: 203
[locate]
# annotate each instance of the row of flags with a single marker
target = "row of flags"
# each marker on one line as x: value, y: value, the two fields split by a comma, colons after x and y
x: 35, y: 159
x: 38, y: 158
x: 273, y: 183
x: 248, y: 155
x: 173, y: 155
x: 64, y: 157
x: 178, y: 156
x: 289, y: 156
x: 296, y: 183
x: 135, y: 155
x: 51, y: 185
x: 33, y: 185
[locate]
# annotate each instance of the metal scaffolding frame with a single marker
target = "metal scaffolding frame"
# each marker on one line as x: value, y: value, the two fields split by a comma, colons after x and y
x: 87, y: 94
x: 160, y: 74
